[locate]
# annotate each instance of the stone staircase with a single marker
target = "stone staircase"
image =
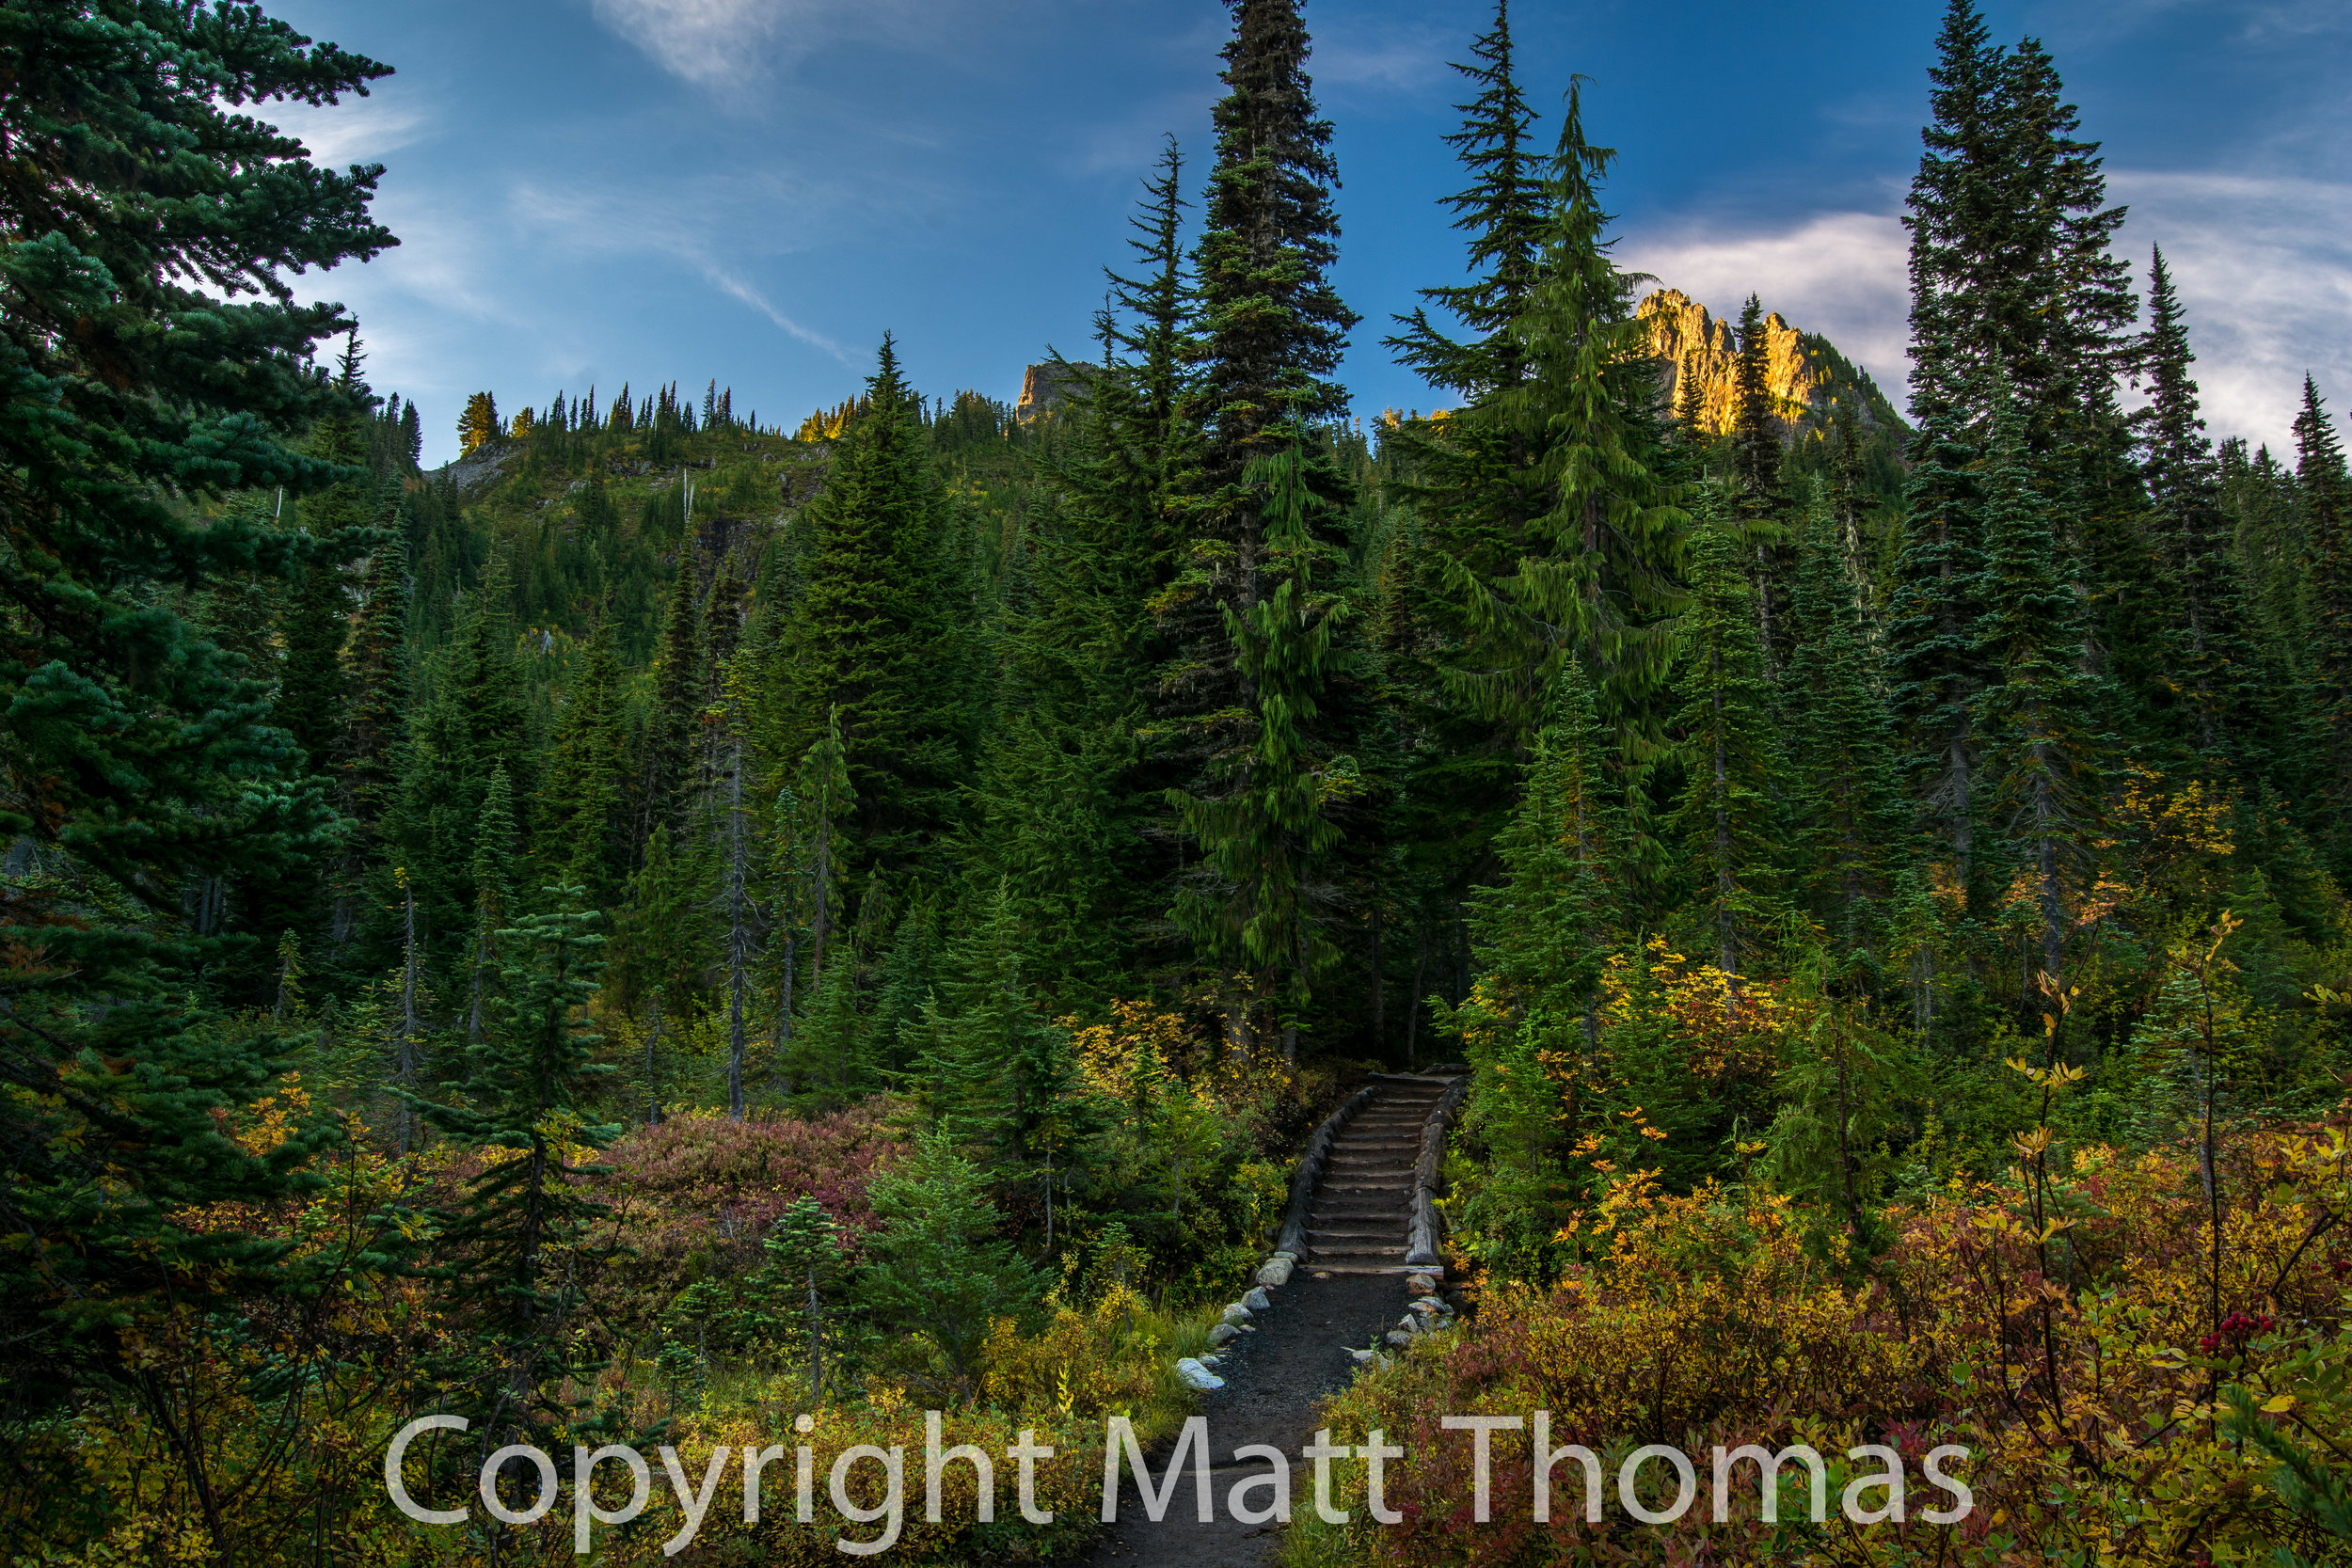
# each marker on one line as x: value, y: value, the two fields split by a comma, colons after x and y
x: 1362, y: 1208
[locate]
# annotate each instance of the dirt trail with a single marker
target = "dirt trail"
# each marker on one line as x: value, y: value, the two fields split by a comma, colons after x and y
x: 1349, y: 1293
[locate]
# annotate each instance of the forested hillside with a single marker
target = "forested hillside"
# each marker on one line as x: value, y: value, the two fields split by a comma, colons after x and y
x: 665, y: 921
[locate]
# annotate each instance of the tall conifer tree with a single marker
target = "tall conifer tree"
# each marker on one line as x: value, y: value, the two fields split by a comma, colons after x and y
x: 2326, y: 524
x: 151, y: 352
x: 1474, y: 479
x: 1847, y: 812
x: 868, y: 629
x: 520, y: 1233
x: 1249, y: 635
x: 1251, y: 908
x: 1727, y: 815
x: 1756, y: 460
x: 1600, y: 574
x: 2033, y: 716
x: 673, y: 726
x: 581, y: 813
x: 2201, y: 640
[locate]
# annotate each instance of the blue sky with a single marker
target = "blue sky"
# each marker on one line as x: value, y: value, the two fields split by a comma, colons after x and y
x: 594, y: 191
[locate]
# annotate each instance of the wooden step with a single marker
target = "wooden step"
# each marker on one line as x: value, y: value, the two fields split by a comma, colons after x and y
x: 1337, y: 1266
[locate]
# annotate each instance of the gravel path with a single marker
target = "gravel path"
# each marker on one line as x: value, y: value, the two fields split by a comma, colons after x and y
x: 1346, y: 1295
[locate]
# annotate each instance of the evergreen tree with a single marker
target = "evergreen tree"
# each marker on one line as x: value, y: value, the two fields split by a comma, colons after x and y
x: 1756, y: 460
x: 1544, y: 931
x: 1503, y: 212
x: 1475, y: 480
x: 1544, y: 934
x: 661, y: 948
x: 1271, y: 332
x: 936, y: 1272
x: 583, y: 809
x: 2202, y: 643
x: 1934, y: 674
x: 2032, y: 716
x: 1598, y: 577
x: 479, y: 425
x: 1846, y: 804
x: 2269, y: 553
x: 789, y: 901
x: 521, y: 1240
x: 311, y: 687
x: 2008, y: 253
x: 473, y: 722
x: 739, y: 914
x: 681, y: 677
x: 992, y: 1072
x: 1272, y: 326
x: 152, y: 355
x: 493, y: 873
x: 2326, y: 534
x: 868, y: 632
x: 1068, y: 781
x: 1259, y: 833
x: 375, y: 728
x: 1726, y: 811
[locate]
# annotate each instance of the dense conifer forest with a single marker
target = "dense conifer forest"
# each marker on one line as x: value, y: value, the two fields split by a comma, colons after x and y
x: 686, y: 917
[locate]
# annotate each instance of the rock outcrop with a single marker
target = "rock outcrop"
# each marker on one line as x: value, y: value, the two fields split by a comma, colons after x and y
x: 1804, y: 371
x: 1045, y: 388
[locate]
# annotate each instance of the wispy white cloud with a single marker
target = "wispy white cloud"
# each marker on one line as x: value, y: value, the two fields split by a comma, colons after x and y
x: 1351, y: 51
x: 682, y: 224
x: 2263, y: 264
x: 357, y: 129
x: 701, y: 40
x: 1839, y: 274
x: 737, y: 288
x: 2255, y: 20
x: 728, y: 42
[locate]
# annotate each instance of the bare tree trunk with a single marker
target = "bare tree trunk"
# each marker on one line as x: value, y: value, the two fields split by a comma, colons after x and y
x: 1726, y: 939
x: 781, y: 1034
x: 820, y: 889
x: 1412, y: 1011
x: 404, y: 1042
x: 1379, y: 994
x: 479, y: 986
x: 2046, y: 827
x: 653, y: 1088
x: 815, y: 1338
x: 739, y: 916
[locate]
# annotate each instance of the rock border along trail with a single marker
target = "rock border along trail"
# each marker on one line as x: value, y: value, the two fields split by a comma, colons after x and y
x: 1352, y: 1225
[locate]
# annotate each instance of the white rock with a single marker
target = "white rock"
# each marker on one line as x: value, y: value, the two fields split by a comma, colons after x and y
x: 1276, y: 1271
x: 1398, y: 1337
x: 1198, y: 1376
x: 1213, y: 1361
x: 1237, y: 1313
x: 1257, y: 1300
x: 1224, y: 1334
x: 1422, y: 1285
x: 1363, y: 1357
